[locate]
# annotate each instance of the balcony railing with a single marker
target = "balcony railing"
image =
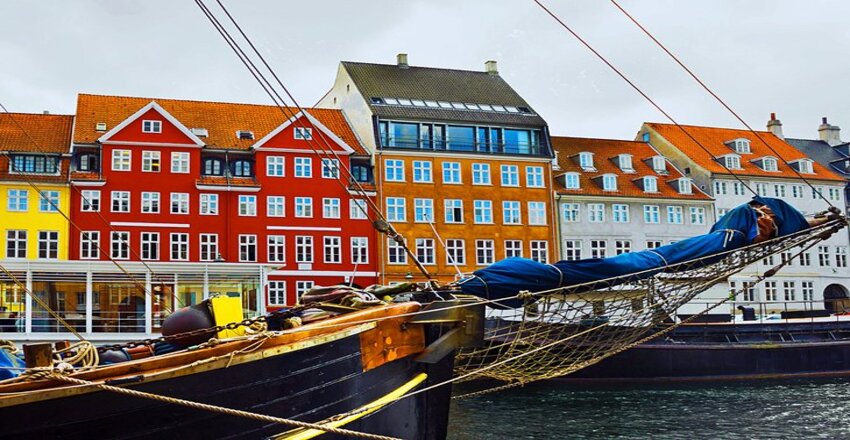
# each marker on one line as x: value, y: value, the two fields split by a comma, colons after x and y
x: 463, y: 145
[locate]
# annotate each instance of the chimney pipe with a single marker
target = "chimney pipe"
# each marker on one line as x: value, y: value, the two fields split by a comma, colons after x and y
x: 46, y: 112
x: 831, y: 134
x: 775, y: 126
x: 401, y: 61
x: 491, y: 68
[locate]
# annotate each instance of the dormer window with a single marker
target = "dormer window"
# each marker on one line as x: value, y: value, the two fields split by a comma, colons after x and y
x: 303, y: 133
x: 585, y: 161
x: 213, y: 167
x: 769, y: 164
x: 625, y: 163
x: 732, y: 161
x: 740, y: 145
x: 805, y: 166
x: 685, y: 186
x: 650, y: 184
x: 242, y: 168
x: 245, y: 135
x: 659, y: 164
x: 151, y: 126
x: 571, y: 181
x: 609, y: 182
x: 87, y: 162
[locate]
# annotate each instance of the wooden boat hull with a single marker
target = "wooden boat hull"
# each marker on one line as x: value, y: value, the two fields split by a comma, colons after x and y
x: 309, y: 381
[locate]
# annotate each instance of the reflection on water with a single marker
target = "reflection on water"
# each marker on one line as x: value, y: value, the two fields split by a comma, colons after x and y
x: 737, y: 410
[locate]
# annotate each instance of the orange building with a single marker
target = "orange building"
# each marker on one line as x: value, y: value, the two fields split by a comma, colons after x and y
x: 462, y: 165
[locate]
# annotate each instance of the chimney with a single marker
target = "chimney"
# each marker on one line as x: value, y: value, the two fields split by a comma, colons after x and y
x: 490, y: 67
x: 46, y: 112
x: 775, y: 126
x: 401, y: 60
x: 831, y: 134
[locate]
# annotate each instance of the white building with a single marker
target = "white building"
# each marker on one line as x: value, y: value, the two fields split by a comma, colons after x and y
x: 616, y: 196
x: 715, y: 158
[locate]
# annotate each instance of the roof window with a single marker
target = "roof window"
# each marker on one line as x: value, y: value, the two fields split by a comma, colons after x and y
x: 245, y: 135
x: 659, y: 164
x: 585, y: 161
x: 685, y: 186
x: 740, y: 145
x: 571, y: 181
x: 650, y: 184
x: 624, y: 161
x: 609, y: 182
x: 200, y: 132
x: 100, y: 126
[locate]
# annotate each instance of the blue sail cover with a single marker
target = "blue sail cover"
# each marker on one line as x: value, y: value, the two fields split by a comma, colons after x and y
x: 736, y: 229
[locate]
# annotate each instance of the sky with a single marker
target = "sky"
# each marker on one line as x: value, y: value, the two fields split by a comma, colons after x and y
x: 782, y: 56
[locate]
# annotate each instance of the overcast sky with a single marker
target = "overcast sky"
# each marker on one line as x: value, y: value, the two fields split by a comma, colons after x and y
x: 783, y: 56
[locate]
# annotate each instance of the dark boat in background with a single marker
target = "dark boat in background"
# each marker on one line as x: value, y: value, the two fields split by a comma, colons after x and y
x: 795, y: 344
x: 332, y: 368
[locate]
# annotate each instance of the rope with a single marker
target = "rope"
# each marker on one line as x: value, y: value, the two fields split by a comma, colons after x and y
x: 218, y: 409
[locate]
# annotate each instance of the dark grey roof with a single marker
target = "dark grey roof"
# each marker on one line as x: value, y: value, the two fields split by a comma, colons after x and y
x: 821, y: 152
x: 426, y: 83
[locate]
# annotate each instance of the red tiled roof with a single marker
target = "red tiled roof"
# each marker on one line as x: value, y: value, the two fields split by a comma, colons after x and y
x: 35, y: 132
x: 222, y: 120
x: 86, y: 175
x: 713, y: 139
x: 227, y: 181
x: 603, y: 151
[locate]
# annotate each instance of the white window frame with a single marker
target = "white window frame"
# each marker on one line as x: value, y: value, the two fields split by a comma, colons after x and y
x: 396, y: 209
x: 650, y: 184
x: 304, y: 207
x: 651, y: 214
x: 331, y: 207
x: 303, y: 167
x: 511, y: 212
x: 275, y: 166
x: 151, y: 126
x: 482, y: 211
x: 151, y: 202
x: 622, y: 216
x: 572, y: 181
x: 423, y: 210
x: 534, y: 177
x: 181, y: 202
x: 122, y: 160
x: 485, y: 252
x: 537, y: 213
x: 208, y: 204
x: 275, y: 206
x: 354, y: 209
x: 359, y: 250
x: 178, y: 243
x: 180, y: 162
x: 452, y: 173
x: 596, y: 212
x: 90, y: 200
x: 151, y: 161
x: 332, y: 249
x: 330, y: 168
x: 509, y: 176
x: 421, y: 170
x: 481, y: 174
x: 304, y: 252
x: 208, y: 247
x: 123, y: 202
x: 89, y: 245
x: 246, y: 242
x: 276, y: 248
x: 393, y: 170
x: 449, y: 206
x: 149, y: 246
x: 122, y: 252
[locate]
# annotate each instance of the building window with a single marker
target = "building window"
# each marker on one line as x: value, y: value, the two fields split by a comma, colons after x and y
x: 17, y: 200
x: 770, y: 291
x: 423, y: 210
x: 721, y: 212
x: 180, y: 162
x: 394, y: 171
x: 277, y: 293
x: 303, y: 133
x: 302, y: 287
x: 650, y: 184
x: 539, y: 251
x: 482, y: 211
x: 534, y: 177
x: 789, y: 290
x: 357, y: 209
x: 121, y: 160
x: 620, y: 213
x: 840, y: 256
x: 151, y: 126
x: 808, y: 288
x: 625, y: 162
x: 150, y: 161
x: 596, y: 212
x: 331, y: 208
x: 333, y: 249
x: 209, y: 204
x: 120, y: 245
x: 49, y: 201
x: 422, y: 172
x: 484, y: 252
x: 738, y: 188
x: 779, y: 190
x: 609, y: 182
x: 733, y: 162
x: 651, y: 214
x: 247, y: 206
x: 511, y: 214
x: 359, y: 250
x: 659, y: 164
x: 425, y: 251
x: 572, y: 181
x: 303, y: 249
x: 513, y: 248
x: 697, y: 216
x: 720, y: 188
x: 247, y: 247
x: 480, y: 174
x: 150, y: 202
x: 453, y: 210
x: 303, y: 167
x: 536, y: 213
x: 304, y: 207
x: 330, y: 168
x: 823, y: 256
x: 396, y: 209
x: 16, y: 243
x: 572, y: 250
x: 805, y: 259
x: 48, y: 244
x: 653, y: 244
x: 34, y: 164
x: 179, y: 247
x: 585, y: 161
x: 209, y: 247
x: 395, y: 252
x: 212, y: 167
x: 674, y: 215
x: 180, y: 203
x: 276, y: 248
x: 741, y: 146
x: 510, y: 175
x: 451, y: 172
x: 120, y: 201
x: 622, y: 247
x: 242, y: 168
x: 769, y: 164
x: 761, y: 189
x: 685, y: 186
x: 834, y: 194
x: 750, y: 291
x: 275, y: 206
x: 806, y: 166
x: 90, y: 200
x: 275, y: 166
x: 571, y: 212
x: 598, y: 248
x: 455, y: 254
x: 150, y: 245
x: 90, y: 245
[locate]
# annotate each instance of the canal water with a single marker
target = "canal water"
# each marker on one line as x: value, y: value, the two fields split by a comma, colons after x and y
x: 737, y: 410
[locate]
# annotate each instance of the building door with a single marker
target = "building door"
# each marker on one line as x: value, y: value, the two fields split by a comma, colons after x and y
x: 835, y: 298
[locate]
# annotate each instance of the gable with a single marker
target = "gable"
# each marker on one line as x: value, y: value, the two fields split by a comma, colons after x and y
x: 171, y: 131
x: 284, y: 137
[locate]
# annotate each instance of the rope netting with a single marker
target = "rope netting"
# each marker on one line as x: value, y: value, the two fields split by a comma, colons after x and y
x: 563, y: 330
